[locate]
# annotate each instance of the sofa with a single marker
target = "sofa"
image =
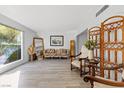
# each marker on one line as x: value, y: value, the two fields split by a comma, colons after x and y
x: 56, y: 53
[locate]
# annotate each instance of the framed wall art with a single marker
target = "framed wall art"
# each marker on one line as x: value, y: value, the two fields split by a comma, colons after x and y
x: 56, y: 40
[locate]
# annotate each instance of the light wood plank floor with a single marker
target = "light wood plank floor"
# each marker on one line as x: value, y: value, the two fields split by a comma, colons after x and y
x: 43, y: 74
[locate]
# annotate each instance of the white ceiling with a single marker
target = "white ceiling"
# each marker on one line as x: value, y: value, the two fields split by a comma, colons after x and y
x: 45, y: 18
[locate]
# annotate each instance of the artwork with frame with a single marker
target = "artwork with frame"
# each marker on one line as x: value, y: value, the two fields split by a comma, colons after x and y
x: 38, y: 44
x: 56, y: 40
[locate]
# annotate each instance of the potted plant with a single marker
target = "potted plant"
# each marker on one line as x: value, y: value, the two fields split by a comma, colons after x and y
x: 90, y: 45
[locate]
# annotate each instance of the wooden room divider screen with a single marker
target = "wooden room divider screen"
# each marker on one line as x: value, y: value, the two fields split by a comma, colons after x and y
x: 112, y: 46
x: 94, y: 34
x: 111, y: 53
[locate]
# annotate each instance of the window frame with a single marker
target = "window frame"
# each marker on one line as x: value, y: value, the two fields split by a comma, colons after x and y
x: 22, y: 43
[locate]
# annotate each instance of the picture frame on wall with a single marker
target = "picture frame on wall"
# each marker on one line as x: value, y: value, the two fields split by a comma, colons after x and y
x: 56, y: 40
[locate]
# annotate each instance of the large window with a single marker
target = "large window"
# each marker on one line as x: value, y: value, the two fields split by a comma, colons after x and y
x: 10, y: 44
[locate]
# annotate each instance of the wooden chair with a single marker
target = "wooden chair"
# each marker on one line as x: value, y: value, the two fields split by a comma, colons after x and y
x: 97, y: 81
x: 77, y: 61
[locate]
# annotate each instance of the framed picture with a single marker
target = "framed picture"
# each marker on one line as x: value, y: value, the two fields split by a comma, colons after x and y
x: 38, y: 44
x: 56, y: 40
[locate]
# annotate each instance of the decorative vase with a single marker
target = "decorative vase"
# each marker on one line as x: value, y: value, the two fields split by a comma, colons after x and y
x: 90, y: 54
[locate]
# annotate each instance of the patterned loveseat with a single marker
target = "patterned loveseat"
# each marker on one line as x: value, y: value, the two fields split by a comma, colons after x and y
x: 56, y: 53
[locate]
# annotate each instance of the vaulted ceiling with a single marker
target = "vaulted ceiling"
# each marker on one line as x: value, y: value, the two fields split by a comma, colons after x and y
x: 45, y: 18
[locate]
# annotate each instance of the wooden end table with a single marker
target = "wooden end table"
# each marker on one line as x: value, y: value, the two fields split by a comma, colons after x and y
x: 92, y: 65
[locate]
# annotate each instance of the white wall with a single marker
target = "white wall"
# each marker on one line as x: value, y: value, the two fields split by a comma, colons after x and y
x: 96, y: 21
x: 68, y: 35
x: 113, y: 10
x: 28, y: 35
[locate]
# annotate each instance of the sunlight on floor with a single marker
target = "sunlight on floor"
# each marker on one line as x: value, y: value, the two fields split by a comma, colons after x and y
x: 10, y: 80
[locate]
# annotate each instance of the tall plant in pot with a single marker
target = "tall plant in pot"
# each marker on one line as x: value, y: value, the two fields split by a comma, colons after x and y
x: 90, y: 45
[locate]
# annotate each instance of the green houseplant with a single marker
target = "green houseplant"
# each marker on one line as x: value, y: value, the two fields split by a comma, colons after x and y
x: 90, y: 45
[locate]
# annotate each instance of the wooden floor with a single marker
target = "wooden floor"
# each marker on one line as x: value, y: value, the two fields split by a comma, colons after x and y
x: 43, y: 74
